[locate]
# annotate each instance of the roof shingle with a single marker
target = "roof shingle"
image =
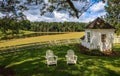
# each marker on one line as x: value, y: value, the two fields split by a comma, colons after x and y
x: 98, y: 23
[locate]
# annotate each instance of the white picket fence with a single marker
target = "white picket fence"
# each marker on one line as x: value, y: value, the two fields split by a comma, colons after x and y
x: 45, y: 43
x: 116, y: 39
x: 38, y: 45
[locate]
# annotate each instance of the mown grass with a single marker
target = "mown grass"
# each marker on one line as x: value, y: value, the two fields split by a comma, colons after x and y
x: 33, y: 63
x: 41, y: 39
x: 116, y: 47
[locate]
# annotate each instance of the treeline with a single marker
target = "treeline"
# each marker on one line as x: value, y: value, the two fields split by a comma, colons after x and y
x: 57, y: 26
x: 10, y: 27
x: 14, y: 26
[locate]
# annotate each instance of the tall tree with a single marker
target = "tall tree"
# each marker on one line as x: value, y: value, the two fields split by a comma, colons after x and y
x: 113, y: 13
x: 73, y: 9
x: 49, y: 6
x: 12, y: 9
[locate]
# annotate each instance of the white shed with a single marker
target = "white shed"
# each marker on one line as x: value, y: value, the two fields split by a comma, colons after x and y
x: 98, y: 35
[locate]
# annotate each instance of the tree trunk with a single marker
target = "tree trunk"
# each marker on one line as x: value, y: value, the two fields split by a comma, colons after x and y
x: 36, y: 2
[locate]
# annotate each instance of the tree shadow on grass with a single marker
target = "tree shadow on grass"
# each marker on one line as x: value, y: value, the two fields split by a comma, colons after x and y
x: 29, y: 67
x: 112, y: 73
x: 90, y: 67
x: 6, y: 71
x: 32, y: 62
x: 15, y: 57
x: 38, y: 67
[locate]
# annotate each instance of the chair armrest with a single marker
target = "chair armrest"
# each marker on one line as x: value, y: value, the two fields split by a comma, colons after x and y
x: 56, y: 57
x: 66, y: 56
x: 75, y: 56
x: 46, y: 57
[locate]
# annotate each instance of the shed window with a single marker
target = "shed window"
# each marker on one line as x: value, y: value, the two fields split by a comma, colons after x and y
x: 88, y: 37
x: 103, y: 38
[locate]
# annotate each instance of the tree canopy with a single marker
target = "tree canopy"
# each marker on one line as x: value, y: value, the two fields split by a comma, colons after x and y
x: 16, y: 7
x: 113, y: 13
x: 70, y: 6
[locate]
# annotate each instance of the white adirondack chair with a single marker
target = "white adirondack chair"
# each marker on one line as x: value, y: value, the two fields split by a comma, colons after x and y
x: 71, y: 58
x: 51, y: 58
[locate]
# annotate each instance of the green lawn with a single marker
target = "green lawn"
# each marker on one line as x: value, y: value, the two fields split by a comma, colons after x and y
x: 117, y: 47
x: 32, y: 63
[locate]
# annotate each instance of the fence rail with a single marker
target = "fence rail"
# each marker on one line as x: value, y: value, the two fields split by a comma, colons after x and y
x: 116, y: 40
x: 15, y: 48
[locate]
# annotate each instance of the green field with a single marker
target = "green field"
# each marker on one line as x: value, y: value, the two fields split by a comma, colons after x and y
x: 33, y: 63
x: 70, y: 35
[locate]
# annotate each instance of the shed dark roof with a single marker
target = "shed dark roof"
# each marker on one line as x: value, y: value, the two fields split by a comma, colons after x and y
x: 83, y: 37
x: 98, y: 23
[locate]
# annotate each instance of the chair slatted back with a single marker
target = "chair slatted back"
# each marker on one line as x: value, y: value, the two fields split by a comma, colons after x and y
x: 49, y: 53
x: 70, y: 52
